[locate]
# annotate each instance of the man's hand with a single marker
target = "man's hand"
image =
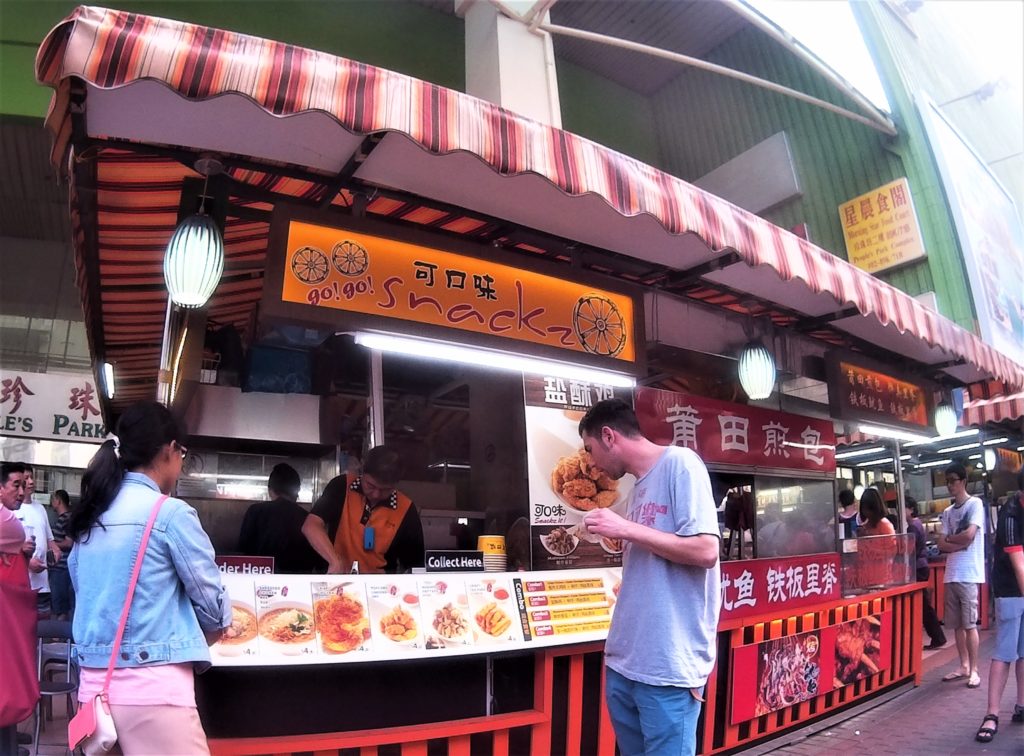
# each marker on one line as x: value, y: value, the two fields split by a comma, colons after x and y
x: 36, y: 565
x: 334, y: 568
x: 606, y: 523
x: 28, y: 548
x: 55, y: 550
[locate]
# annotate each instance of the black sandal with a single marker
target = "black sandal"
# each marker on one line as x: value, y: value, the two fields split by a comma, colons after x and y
x: 985, y: 734
x: 1018, y: 714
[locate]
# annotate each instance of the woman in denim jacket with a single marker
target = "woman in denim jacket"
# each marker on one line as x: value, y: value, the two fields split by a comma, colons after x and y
x: 179, y: 605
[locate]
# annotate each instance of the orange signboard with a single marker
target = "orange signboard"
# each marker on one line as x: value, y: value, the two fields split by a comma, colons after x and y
x: 881, y: 228
x: 871, y: 393
x: 346, y: 270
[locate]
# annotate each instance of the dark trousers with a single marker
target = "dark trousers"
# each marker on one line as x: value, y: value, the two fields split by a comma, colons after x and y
x: 932, y: 626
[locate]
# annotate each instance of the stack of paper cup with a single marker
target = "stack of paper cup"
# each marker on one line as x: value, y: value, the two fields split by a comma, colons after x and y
x: 493, y: 547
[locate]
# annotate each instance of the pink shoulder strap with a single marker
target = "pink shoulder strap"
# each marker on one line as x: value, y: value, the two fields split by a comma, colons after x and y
x: 131, y: 590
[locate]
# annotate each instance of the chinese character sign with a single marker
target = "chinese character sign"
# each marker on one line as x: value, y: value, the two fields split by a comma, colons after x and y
x: 859, y: 392
x: 346, y: 270
x: 881, y: 229
x: 759, y: 586
x: 735, y: 433
x: 55, y: 406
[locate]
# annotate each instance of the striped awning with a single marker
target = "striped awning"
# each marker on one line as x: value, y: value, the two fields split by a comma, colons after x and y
x: 1001, y: 409
x: 180, y: 86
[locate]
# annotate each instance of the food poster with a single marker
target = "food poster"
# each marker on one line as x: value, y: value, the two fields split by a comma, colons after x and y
x: 781, y: 672
x: 284, y: 616
x: 492, y: 604
x: 238, y: 643
x: 446, y: 614
x: 563, y: 481
x: 342, y: 619
x: 396, y: 622
x: 862, y: 647
x: 573, y: 609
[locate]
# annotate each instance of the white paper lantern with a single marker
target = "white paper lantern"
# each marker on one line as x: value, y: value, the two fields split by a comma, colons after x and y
x: 945, y: 419
x: 194, y: 261
x: 757, y: 371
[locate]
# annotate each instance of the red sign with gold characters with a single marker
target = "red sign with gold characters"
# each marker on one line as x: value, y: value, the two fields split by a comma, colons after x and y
x: 760, y: 586
x: 736, y: 434
x: 860, y: 391
x: 347, y: 270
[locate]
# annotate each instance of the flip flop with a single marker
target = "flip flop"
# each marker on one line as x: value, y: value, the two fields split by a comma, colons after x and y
x: 974, y: 682
x: 954, y: 676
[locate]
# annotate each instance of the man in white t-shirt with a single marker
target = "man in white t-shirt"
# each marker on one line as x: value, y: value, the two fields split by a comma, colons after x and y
x: 33, y: 514
x: 963, y: 542
x: 662, y: 641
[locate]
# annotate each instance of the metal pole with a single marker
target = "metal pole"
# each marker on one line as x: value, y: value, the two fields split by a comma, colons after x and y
x: 900, y: 501
x: 376, y: 408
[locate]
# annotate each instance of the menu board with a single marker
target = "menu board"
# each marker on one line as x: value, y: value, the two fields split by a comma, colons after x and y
x: 326, y: 619
x: 564, y: 484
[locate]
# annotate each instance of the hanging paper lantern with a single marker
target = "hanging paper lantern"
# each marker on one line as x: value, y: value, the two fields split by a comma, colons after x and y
x: 757, y: 371
x: 945, y: 419
x: 194, y: 261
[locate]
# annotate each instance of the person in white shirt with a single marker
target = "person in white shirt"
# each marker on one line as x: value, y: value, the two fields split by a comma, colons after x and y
x: 33, y: 515
x: 962, y: 540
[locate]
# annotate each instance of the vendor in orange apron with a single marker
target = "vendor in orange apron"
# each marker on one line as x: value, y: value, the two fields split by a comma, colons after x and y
x: 365, y: 520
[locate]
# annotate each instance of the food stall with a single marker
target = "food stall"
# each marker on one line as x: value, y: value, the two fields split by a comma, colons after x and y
x: 388, y: 227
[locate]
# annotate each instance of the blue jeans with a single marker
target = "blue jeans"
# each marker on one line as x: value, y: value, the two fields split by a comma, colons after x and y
x: 651, y: 720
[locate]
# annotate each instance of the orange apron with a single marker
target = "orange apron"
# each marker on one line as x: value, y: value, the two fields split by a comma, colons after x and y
x: 348, y: 541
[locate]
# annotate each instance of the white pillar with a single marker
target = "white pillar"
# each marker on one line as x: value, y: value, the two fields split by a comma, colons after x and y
x: 508, y: 64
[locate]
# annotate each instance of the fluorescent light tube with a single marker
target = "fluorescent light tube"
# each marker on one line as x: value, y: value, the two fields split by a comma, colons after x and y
x: 860, y: 452
x: 489, y: 358
x: 874, y: 430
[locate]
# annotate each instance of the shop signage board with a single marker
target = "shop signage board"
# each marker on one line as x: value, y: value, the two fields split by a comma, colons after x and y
x: 881, y: 228
x: 342, y: 269
x: 454, y: 561
x: 329, y: 619
x: 759, y: 586
x: 736, y: 434
x: 781, y: 672
x: 563, y: 486
x: 51, y: 406
x: 860, y: 390
x: 245, y: 565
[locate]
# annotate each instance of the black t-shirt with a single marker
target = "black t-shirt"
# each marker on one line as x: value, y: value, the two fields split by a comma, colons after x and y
x: 1009, y: 538
x: 406, y: 549
x: 274, y: 529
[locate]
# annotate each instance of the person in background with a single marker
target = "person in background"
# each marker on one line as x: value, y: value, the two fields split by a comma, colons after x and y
x: 963, y: 543
x: 15, y: 552
x: 33, y: 515
x: 662, y: 641
x: 366, y: 520
x: 872, y: 515
x: 1008, y: 589
x: 180, y: 604
x: 274, y: 528
x: 932, y: 626
x: 848, y: 513
x: 62, y: 597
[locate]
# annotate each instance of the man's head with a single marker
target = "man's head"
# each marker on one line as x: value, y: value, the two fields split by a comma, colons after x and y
x: 30, y: 481
x: 284, y: 482
x: 12, y: 484
x: 910, y: 504
x: 956, y: 480
x: 382, y: 470
x: 60, y: 501
x: 603, y: 428
x: 847, y: 498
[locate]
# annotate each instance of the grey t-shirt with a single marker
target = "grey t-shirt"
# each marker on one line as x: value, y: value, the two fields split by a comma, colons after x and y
x: 665, y: 623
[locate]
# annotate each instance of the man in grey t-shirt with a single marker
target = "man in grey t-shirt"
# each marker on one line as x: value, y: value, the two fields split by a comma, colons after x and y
x: 661, y: 645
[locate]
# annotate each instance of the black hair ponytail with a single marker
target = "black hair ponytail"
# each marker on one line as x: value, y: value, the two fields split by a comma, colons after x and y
x: 142, y: 431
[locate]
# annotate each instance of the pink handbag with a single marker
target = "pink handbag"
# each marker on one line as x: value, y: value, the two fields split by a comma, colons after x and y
x: 92, y: 728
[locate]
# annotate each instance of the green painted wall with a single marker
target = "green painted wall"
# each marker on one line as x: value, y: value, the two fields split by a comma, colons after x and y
x: 607, y: 113
x: 394, y: 34
x: 704, y: 120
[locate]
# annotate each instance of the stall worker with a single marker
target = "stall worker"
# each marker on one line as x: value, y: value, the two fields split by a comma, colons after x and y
x: 670, y: 579
x: 274, y: 528
x: 364, y: 522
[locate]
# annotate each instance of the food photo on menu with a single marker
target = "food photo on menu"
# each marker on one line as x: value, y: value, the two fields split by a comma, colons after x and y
x: 447, y: 613
x: 788, y: 672
x: 395, y: 615
x: 495, y: 615
x: 564, y: 485
x: 284, y: 617
x: 240, y: 638
x: 342, y: 622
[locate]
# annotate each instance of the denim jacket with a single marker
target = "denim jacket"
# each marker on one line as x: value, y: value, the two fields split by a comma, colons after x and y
x: 179, y: 593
